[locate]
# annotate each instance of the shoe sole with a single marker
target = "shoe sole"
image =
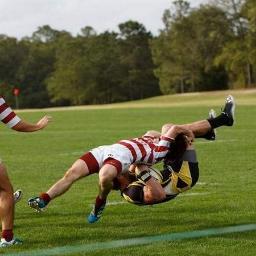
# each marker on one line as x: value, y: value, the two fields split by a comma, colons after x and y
x: 17, y: 196
x: 230, y: 98
x: 34, y: 205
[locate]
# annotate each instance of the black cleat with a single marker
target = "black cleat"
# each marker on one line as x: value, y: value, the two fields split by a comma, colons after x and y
x: 229, y: 110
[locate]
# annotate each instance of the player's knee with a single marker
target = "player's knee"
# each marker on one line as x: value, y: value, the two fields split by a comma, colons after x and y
x: 105, y: 179
x: 107, y: 174
x: 72, y: 174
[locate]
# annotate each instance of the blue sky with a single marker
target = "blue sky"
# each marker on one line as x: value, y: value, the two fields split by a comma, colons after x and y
x: 21, y: 18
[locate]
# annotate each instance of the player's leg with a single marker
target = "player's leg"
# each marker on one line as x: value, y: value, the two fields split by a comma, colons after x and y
x: 6, y: 209
x: 226, y: 118
x: 202, y: 128
x: 106, y: 176
x: 77, y: 171
x: 211, y: 134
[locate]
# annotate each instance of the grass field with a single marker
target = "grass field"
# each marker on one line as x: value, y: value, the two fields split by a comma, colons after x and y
x: 225, y: 195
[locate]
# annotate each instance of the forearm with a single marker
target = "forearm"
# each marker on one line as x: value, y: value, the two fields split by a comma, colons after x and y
x: 8, y: 117
x: 153, y: 192
x: 23, y: 126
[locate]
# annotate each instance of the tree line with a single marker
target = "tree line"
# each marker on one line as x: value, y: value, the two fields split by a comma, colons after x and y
x: 210, y: 47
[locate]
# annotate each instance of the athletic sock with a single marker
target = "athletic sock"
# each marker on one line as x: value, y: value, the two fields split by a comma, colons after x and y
x: 218, y: 121
x: 7, y: 234
x: 46, y: 198
x: 207, y: 136
x: 99, y: 202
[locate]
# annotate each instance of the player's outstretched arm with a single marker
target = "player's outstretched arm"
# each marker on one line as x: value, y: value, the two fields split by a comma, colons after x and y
x: 175, y: 130
x: 23, y: 126
x: 153, y: 191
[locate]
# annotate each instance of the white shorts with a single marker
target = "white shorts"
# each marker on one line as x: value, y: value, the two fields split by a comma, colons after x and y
x: 116, y: 155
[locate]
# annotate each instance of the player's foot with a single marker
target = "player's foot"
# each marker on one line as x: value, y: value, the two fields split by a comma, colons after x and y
x: 229, y: 110
x: 37, y: 203
x: 95, y: 214
x: 211, y: 135
x: 17, y: 195
x: 14, y: 241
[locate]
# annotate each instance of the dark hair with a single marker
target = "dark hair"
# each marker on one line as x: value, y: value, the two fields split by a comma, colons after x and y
x: 177, y: 149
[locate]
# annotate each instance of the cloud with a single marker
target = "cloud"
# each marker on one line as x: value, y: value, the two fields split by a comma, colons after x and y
x: 20, y: 18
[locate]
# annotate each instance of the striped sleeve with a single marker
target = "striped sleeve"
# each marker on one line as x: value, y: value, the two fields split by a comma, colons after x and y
x: 7, y: 115
x: 162, y: 147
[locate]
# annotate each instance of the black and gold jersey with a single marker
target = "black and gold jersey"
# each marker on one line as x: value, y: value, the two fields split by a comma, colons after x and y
x: 176, y: 177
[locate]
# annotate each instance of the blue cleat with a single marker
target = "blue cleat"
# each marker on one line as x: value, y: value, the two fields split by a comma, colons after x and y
x: 37, y: 203
x: 95, y: 214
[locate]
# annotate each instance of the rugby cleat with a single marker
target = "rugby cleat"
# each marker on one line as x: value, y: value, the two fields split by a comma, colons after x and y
x: 95, y: 215
x: 211, y: 135
x: 37, y: 203
x: 229, y: 110
x: 17, y: 195
x: 14, y: 241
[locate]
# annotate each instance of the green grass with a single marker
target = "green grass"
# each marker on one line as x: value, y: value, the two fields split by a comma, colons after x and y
x: 226, y: 193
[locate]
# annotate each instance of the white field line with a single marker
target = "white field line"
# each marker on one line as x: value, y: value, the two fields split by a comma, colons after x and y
x: 215, y: 141
x: 92, y: 247
x: 182, y: 194
x: 195, y: 194
x: 208, y: 184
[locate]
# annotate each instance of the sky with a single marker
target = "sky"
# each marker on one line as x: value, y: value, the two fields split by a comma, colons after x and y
x: 19, y: 18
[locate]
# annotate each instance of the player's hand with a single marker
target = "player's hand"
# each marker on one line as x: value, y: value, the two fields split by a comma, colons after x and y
x: 43, y: 122
x: 140, y: 168
x: 189, y: 136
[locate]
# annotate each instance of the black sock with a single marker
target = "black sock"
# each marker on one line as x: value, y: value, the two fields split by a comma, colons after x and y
x: 207, y: 136
x: 218, y: 121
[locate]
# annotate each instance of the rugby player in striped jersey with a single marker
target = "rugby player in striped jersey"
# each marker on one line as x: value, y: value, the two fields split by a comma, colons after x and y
x: 10, y: 119
x: 111, y: 160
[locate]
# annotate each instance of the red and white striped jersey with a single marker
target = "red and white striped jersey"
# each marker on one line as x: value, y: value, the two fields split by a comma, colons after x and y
x: 7, y: 116
x: 143, y: 150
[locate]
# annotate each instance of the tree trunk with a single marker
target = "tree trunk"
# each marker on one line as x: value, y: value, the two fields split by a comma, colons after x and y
x: 182, y: 85
x: 249, y: 75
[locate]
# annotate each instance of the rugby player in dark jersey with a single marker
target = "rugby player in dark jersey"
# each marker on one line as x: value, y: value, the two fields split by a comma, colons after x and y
x: 144, y: 185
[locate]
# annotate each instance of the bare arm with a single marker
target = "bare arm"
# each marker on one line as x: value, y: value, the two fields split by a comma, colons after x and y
x: 175, y: 130
x: 153, y: 191
x: 23, y: 126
